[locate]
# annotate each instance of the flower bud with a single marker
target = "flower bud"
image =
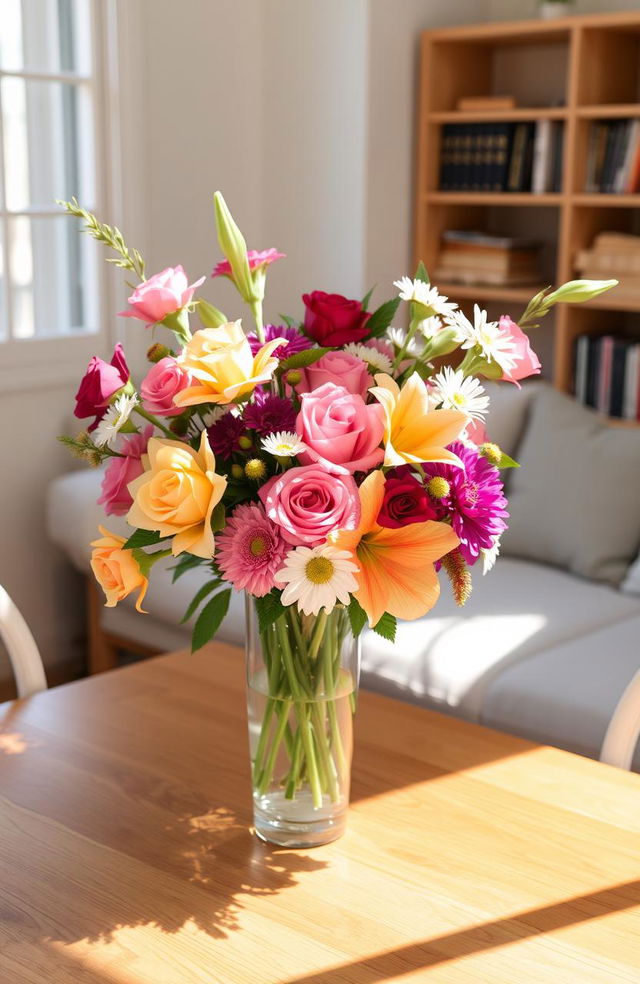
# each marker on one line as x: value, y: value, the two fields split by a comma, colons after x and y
x: 245, y: 442
x: 255, y: 469
x: 491, y: 452
x: 293, y: 377
x: 576, y: 291
x: 234, y: 247
x: 237, y: 471
x: 157, y: 352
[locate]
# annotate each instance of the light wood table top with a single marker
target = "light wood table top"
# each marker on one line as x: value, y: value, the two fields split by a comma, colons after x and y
x: 471, y: 857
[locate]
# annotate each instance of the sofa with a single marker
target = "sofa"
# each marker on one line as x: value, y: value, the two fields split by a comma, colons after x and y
x: 548, y: 641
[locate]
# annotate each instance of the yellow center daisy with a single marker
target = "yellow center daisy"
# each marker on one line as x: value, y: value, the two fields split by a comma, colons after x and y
x: 258, y: 546
x: 319, y: 570
x: 438, y: 487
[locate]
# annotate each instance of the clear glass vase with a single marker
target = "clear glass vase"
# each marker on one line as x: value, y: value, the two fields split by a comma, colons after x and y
x: 302, y: 681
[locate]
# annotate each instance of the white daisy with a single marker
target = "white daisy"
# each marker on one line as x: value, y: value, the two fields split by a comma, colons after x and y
x: 486, y: 335
x: 376, y: 361
x: 490, y: 556
x: 114, y: 420
x: 423, y: 293
x: 317, y: 577
x: 283, y: 444
x: 459, y: 393
x: 397, y: 337
x: 430, y: 327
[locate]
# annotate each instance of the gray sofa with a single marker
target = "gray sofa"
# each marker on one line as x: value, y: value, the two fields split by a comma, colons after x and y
x: 538, y: 650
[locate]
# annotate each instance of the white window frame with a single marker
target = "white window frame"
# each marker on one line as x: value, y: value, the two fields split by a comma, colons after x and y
x: 30, y: 363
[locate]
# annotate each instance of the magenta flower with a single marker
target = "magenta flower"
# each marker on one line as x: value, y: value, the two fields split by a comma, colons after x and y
x: 99, y: 383
x: 116, y: 498
x: 475, y: 502
x: 258, y: 259
x: 297, y: 341
x: 269, y: 414
x: 224, y: 435
x: 250, y: 550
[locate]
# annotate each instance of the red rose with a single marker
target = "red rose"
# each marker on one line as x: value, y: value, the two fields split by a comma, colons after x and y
x: 99, y: 383
x: 405, y: 501
x: 331, y: 319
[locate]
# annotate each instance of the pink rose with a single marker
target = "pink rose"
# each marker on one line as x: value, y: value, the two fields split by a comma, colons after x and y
x: 115, y: 497
x: 528, y: 363
x: 160, y: 385
x: 308, y: 504
x: 99, y: 383
x: 339, y: 430
x: 340, y: 368
x: 161, y: 295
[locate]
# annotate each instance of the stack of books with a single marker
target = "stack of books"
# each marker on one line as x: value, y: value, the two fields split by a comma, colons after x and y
x: 607, y: 375
x: 613, y: 254
x: 501, y: 156
x: 613, y: 157
x: 480, y: 258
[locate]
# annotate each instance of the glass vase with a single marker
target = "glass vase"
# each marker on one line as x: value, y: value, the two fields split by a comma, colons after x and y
x: 302, y: 681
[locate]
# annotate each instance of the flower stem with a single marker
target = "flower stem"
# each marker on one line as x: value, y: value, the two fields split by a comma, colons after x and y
x: 256, y: 310
x: 154, y: 420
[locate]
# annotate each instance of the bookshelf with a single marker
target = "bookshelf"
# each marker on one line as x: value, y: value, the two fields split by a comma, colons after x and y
x: 591, y: 73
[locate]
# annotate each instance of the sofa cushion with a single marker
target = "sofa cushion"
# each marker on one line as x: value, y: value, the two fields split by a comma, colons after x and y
x: 567, y: 694
x: 574, y: 502
x: 448, y: 659
x: 508, y: 412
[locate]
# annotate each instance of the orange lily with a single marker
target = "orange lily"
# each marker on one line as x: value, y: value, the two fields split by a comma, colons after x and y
x: 396, y: 565
x: 412, y: 432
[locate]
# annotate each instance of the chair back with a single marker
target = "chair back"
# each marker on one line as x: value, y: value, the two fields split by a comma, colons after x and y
x: 21, y: 647
x: 624, y: 728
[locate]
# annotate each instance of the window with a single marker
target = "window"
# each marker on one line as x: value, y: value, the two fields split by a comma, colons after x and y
x: 49, y: 98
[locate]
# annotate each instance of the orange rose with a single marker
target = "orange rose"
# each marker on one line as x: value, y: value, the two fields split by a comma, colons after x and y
x: 177, y: 493
x: 116, y: 570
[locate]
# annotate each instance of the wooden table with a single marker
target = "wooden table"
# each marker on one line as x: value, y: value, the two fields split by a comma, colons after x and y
x: 471, y: 856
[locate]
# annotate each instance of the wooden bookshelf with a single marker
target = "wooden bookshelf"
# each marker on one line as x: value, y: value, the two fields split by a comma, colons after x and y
x: 591, y: 71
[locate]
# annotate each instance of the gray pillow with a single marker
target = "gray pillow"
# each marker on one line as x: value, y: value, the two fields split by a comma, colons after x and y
x: 507, y: 413
x: 575, y: 501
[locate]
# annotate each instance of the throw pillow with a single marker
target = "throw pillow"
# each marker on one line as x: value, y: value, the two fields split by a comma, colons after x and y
x: 574, y: 503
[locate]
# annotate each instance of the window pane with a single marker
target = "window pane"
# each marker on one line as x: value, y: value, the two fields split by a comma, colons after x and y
x: 54, y: 285
x: 45, y: 36
x: 48, y: 143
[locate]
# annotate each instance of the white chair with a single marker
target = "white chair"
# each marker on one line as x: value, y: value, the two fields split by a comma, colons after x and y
x: 624, y: 728
x: 21, y: 647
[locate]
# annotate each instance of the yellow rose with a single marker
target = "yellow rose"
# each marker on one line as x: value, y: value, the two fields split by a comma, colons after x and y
x: 222, y: 365
x: 177, y: 493
x: 117, y: 570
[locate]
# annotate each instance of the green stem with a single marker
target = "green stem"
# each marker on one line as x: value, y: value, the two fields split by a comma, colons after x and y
x: 267, y: 772
x: 256, y: 310
x: 262, y: 741
x: 154, y: 420
x: 413, y: 327
x: 312, y: 765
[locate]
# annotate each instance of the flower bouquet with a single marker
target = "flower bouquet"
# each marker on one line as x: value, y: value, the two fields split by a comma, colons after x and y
x: 326, y: 467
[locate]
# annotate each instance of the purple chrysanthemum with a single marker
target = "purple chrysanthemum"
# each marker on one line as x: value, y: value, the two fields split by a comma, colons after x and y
x: 224, y: 433
x: 297, y: 341
x: 269, y: 414
x: 475, y: 502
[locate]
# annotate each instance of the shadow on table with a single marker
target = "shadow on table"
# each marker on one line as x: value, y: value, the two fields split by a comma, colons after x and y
x: 393, y: 964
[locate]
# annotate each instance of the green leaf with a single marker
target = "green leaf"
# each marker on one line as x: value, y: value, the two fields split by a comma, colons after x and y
x: 205, y: 590
x: 143, y: 538
x: 367, y: 298
x: 382, y: 317
x: 386, y: 627
x: 289, y: 322
x: 210, y: 619
x: 209, y: 315
x: 421, y: 273
x: 507, y: 462
x: 218, y: 517
x: 357, y: 617
x: 186, y: 563
x: 302, y: 359
x: 269, y: 608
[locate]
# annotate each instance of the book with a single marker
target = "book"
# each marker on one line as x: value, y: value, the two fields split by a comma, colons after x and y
x: 605, y: 357
x: 616, y: 386
x: 542, y: 173
x: 631, y: 398
x: 581, y: 367
x: 607, y: 374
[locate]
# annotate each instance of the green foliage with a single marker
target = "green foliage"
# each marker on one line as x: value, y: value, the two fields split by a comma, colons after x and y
x: 386, y: 627
x: 507, y: 462
x: 382, y: 317
x: 186, y: 563
x: 289, y: 322
x: 143, y: 538
x: 367, y: 298
x: 209, y: 315
x: 421, y: 273
x: 303, y: 359
x: 218, y: 517
x: 357, y: 617
x: 205, y: 590
x: 269, y: 608
x: 110, y: 236
x: 210, y: 619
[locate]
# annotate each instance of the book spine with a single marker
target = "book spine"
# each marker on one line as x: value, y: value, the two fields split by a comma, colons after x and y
x: 542, y: 157
x: 604, y: 374
x: 582, y: 358
x: 616, y: 394
x: 593, y: 371
x: 558, y: 158
x: 516, y: 158
x: 617, y: 185
x: 632, y: 365
x: 501, y: 155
